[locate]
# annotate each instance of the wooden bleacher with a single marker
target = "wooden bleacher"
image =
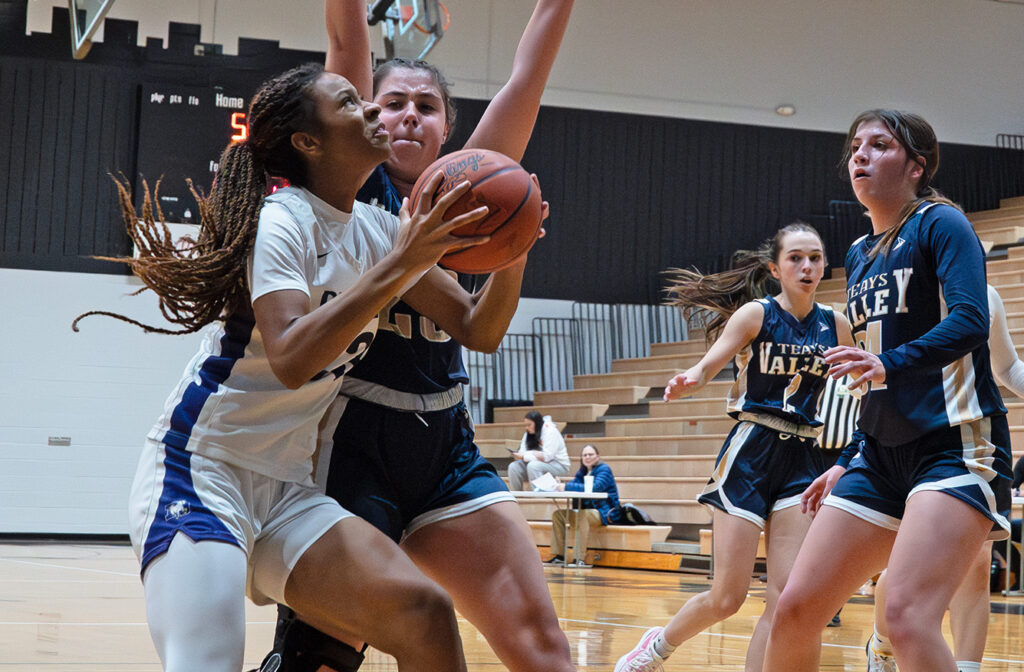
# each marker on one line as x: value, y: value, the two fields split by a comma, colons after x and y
x: 662, y: 453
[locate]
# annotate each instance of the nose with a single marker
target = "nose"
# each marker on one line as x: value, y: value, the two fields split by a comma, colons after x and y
x: 410, y: 115
x: 860, y: 156
x: 371, y: 110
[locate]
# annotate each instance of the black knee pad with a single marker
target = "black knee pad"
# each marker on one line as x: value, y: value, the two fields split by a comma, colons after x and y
x: 299, y: 647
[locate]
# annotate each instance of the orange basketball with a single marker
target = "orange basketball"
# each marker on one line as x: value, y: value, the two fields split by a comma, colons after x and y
x: 513, y: 200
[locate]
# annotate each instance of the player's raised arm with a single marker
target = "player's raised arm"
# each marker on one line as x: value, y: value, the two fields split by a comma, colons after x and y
x: 508, y: 121
x: 348, y: 44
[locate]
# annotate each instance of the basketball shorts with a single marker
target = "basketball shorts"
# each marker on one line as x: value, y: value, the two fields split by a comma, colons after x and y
x: 274, y: 522
x: 970, y: 462
x: 400, y: 470
x: 760, y: 471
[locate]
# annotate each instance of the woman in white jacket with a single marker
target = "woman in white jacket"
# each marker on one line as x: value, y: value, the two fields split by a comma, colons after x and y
x: 542, y: 451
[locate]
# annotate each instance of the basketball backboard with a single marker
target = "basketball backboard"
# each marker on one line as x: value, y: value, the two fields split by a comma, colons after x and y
x: 86, y: 16
x: 411, y: 27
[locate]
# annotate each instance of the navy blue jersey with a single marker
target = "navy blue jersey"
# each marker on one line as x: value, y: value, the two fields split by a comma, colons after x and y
x: 923, y: 308
x: 782, y: 372
x: 410, y: 353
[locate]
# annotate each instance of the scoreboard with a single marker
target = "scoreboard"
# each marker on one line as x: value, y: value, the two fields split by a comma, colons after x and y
x: 182, y: 132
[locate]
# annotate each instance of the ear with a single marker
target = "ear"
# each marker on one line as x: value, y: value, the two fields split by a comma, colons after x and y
x: 773, y: 268
x: 306, y: 143
x: 447, y: 130
x: 917, y: 169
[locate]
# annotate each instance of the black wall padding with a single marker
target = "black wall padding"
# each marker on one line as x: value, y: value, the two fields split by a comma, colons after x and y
x: 630, y: 195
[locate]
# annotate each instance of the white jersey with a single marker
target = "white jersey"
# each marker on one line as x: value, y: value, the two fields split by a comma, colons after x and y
x: 229, y: 404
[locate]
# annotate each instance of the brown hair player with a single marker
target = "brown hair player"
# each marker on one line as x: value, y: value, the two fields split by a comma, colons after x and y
x: 398, y: 445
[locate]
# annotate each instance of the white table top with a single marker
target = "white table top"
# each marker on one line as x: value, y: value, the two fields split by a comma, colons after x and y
x: 555, y: 494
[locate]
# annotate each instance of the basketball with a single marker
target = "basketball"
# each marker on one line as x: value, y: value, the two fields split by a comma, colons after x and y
x: 513, y: 200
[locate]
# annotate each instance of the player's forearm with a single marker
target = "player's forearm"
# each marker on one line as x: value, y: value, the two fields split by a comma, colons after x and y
x: 348, y: 44
x: 494, y: 307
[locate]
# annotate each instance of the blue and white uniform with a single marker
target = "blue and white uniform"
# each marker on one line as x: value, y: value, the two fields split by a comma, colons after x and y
x: 937, y: 423
x: 230, y: 459
x: 397, y: 447
x: 769, y: 457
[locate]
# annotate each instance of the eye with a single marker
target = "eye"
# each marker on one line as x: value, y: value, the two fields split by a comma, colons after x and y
x: 393, y: 105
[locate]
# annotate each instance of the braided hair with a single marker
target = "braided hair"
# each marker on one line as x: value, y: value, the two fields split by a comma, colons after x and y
x: 722, y: 294
x: 917, y: 137
x: 203, y: 279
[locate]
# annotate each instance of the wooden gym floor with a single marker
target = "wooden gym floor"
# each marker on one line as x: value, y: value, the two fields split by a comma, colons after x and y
x: 78, y: 607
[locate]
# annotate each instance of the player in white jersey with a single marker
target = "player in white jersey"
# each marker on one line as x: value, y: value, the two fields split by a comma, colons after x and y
x: 770, y: 456
x: 931, y: 479
x: 223, y: 502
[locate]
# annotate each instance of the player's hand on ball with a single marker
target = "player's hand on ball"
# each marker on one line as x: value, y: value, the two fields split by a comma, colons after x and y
x: 425, y: 236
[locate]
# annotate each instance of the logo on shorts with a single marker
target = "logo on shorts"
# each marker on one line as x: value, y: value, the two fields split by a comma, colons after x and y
x: 176, y: 509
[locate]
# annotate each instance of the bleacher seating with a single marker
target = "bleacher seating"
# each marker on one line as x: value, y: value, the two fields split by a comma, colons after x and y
x: 662, y: 453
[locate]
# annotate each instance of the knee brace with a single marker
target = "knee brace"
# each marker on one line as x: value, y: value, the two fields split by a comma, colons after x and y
x: 299, y: 647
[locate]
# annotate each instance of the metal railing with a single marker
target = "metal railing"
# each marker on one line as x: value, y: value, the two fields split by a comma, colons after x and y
x: 1009, y: 141
x: 561, y: 348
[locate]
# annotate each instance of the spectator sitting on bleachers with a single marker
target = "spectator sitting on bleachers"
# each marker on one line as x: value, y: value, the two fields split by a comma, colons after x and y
x: 591, y: 511
x: 542, y: 451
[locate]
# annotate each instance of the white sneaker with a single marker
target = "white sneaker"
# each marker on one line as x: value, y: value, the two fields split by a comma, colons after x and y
x: 643, y: 657
x: 879, y: 662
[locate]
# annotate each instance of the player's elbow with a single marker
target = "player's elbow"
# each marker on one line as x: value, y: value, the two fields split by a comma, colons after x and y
x: 485, y: 343
x: 287, y: 374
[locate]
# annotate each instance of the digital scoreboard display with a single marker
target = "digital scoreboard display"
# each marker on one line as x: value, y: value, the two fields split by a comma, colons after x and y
x: 182, y: 132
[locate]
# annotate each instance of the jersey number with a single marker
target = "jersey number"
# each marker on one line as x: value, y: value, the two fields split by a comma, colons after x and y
x: 401, y: 324
x: 356, y: 349
x: 791, y: 389
x: 870, y: 339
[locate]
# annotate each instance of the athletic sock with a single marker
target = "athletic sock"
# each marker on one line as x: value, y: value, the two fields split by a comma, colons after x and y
x: 968, y: 666
x: 881, y: 645
x: 661, y: 646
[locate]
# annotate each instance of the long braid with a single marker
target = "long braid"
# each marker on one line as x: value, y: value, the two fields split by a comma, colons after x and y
x: 203, y: 279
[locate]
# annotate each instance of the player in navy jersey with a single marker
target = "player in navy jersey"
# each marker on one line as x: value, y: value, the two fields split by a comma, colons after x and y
x: 770, y: 456
x: 929, y: 484
x: 223, y: 503
x: 397, y: 447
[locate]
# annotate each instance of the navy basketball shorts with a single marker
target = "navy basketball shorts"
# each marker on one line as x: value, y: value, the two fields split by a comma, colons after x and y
x: 401, y: 470
x: 970, y: 462
x: 760, y: 471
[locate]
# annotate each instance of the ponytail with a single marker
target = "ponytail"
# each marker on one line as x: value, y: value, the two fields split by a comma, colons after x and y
x: 722, y: 294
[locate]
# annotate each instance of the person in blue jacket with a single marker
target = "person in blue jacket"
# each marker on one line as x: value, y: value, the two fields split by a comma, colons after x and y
x: 591, y: 511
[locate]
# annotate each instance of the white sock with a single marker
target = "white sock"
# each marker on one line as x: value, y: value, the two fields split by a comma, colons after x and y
x: 881, y: 645
x: 968, y: 666
x: 661, y: 646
